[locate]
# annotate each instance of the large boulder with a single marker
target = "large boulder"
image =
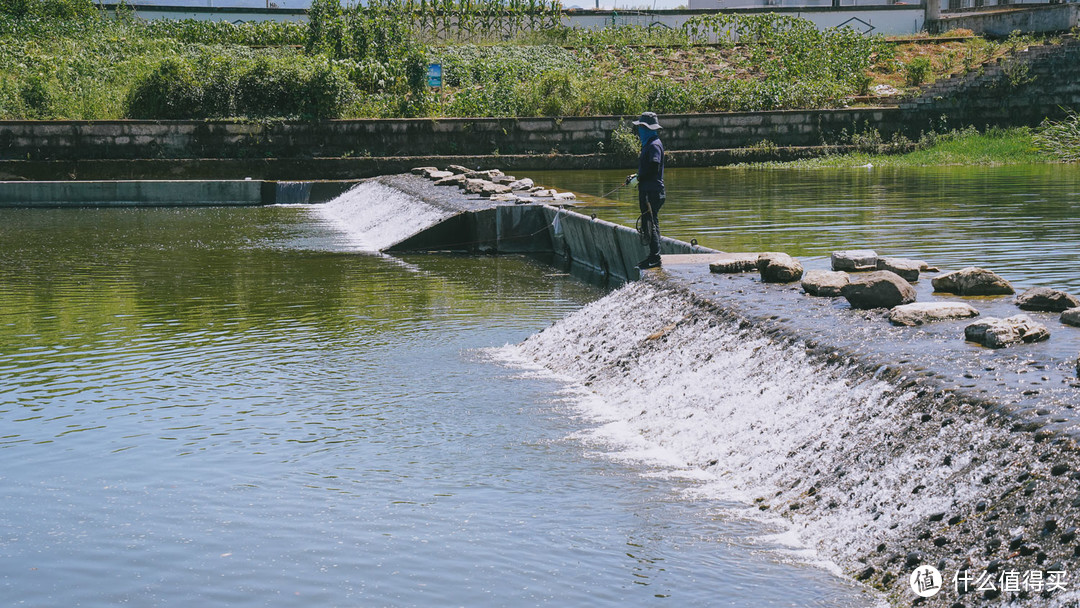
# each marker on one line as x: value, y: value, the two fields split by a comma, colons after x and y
x: 779, y: 268
x: 999, y: 333
x: 824, y: 283
x: 855, y: 260
x: 484, y: 187
x: 521, y: 184
x: 454, y: 180
x: 488, y: 175
x: 907, y: 269
x: 1046, y: 299
x: 1071, y: 317
x: 921, y: 313
x: 880, y: 289
x: 973, y: 281
x: 735, y: 262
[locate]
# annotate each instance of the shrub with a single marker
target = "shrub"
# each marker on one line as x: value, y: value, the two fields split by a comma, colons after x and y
x: 48, y: 9
x: 916, y: 71
x: 557, y: 94
x: 264, y: 87
x: 171, y: 91
x: 623, y: 143
x: 1060, y: 138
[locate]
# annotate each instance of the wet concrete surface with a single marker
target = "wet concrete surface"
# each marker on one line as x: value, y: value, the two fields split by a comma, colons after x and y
x: 1036, y: 384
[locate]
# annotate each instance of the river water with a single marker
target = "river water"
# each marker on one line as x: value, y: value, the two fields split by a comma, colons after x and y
x: 1022, y: 221
x: 241, y: 407
x: 221, y: 406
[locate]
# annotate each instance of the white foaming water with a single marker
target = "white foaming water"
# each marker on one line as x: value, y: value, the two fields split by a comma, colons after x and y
x: 840, y: 455
x: 373, y: 216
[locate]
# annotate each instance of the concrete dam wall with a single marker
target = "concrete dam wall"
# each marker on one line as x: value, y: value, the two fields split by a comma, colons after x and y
x: 405, y: 213
x: 890, y: 449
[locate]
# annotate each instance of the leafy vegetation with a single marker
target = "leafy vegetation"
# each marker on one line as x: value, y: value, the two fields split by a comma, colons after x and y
x: 1060, y: 138
x: 967, y: 146
x: 65, y: 59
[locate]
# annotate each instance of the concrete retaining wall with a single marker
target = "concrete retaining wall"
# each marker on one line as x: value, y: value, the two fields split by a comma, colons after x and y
x: 171, y: 193
x: 1034, y: 84
x: 609, y: 250
x: 136, y: 139
x: 1002, y: 21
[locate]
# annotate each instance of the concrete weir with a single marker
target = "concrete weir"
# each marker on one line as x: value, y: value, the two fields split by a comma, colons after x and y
x: 527, y: 226
x: 888, y: 448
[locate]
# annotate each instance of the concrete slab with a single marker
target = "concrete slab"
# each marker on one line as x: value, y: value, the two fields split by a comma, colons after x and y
x: 684, y: 259
x: 1035, y: 383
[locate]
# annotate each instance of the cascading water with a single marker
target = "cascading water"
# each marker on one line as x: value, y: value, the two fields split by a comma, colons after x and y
x: 881, y: 474
x: 373, y: 216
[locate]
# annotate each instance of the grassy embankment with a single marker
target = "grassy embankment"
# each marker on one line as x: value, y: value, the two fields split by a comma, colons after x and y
x: 961, y: 147
x: 1053, y: 141
x: 63, y: 59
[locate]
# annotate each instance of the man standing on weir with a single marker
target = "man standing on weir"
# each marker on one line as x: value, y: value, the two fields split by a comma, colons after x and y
x: 650, y: 178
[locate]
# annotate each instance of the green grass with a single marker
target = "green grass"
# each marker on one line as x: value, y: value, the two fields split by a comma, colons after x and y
x: 964, y: 147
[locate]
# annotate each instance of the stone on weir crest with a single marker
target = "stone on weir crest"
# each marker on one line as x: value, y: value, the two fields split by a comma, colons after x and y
x: 879, y: 289
x: 825, y: 283
x: 453, y: 180
x: 735, y: 262
x: 1071, y: 317
x: 488, y: 175
x: 999, y: 333
x: 437, y: 175
x: 484, y: 187
x: 855, y: 260
x: 779, y: 268
x: 907, y: 269
x: 921, y: 313
x: 458, y: 169
x: 423, y: 170
x: 973, y: 281
x: 1046, y: 299
x: 521, y: 184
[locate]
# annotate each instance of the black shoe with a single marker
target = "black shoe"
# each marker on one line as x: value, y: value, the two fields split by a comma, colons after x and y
x: 649, y: 262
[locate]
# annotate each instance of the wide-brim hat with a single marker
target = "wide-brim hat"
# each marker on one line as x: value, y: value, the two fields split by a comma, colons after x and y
x: 648, y: 120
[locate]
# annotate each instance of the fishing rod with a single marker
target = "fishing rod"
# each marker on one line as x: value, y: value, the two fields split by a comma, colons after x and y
x: 639, y: 225
x: 628, y: 181
x: 607, y: 194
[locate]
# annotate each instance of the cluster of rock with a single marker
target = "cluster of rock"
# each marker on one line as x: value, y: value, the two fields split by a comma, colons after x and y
x: 868, y: 281
x: 493, y: 184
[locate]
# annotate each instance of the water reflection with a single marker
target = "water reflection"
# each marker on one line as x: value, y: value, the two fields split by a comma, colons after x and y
x: 220, y: 406
x: 1021, y: 221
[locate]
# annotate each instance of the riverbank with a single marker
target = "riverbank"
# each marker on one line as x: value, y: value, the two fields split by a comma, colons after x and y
x: 63, y: 59
x: 1015, y: 146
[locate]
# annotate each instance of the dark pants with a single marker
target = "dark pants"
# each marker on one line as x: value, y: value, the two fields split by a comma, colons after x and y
x: 650, y: 202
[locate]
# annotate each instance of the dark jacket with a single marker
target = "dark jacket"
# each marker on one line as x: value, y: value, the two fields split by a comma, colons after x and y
x: 651, y: 166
